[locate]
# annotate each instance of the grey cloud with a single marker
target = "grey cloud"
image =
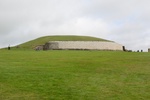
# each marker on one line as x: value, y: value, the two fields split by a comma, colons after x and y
x: 123, y: 21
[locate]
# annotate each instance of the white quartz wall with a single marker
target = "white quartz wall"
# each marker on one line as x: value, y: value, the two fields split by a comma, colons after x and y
x: 96, y: 45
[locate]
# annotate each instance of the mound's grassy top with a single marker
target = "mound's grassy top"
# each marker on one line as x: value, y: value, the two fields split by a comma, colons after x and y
x: 43, y: 40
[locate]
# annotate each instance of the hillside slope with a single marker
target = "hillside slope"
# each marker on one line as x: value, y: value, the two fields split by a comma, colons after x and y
x: 42, y: 40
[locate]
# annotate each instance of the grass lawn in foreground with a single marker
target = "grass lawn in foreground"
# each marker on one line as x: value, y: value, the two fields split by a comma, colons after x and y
x: 74, y: 75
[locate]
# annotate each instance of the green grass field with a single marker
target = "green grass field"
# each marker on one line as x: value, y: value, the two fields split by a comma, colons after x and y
x: 74, y: 75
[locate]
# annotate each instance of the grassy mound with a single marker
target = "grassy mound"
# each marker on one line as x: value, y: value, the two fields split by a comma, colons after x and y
x: 42, y: 40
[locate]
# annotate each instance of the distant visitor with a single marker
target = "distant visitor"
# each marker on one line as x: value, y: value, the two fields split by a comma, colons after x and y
x: 8, y: 47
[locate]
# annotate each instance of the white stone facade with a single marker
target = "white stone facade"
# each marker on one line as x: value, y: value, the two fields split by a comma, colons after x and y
x: 88, y: 45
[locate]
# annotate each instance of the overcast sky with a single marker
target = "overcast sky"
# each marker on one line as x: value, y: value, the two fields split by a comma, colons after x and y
x: 126, y: 22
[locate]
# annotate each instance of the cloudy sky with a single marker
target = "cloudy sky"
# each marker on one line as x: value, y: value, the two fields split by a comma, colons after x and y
x: 124, y: 21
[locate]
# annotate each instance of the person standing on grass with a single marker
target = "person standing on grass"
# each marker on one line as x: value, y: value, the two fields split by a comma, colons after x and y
x: 9, y: 47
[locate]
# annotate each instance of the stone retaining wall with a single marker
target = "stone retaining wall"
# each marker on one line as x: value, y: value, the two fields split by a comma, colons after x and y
x: 89, y: 45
